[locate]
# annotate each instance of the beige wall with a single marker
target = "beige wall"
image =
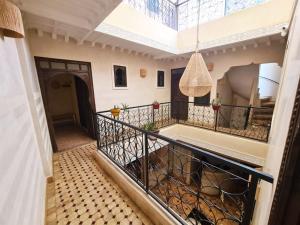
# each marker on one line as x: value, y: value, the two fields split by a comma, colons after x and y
x: 62, y: 100
x: 248, y: 150
x: 280, y: 125
x: 242, y: 78
x: 26, y: 154
x: 128, y: 23
x: 225, y: 91
x: 140, y: 91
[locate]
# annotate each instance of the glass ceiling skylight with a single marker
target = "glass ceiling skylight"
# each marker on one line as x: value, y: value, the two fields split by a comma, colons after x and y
x: 182, y: 14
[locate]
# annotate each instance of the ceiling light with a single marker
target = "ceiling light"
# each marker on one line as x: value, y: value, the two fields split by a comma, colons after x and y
x: 11, y: 23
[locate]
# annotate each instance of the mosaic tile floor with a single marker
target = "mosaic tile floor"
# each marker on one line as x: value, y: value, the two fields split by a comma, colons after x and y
x: 81, y: 193
x: 70, y: 136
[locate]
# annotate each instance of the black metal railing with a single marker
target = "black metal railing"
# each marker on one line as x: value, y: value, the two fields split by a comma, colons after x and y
x: 229, y: 119
x: 193, y: 184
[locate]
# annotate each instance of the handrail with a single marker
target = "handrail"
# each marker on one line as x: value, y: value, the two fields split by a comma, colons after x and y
x: 110, y: 140
x: 266, y: 78
x: 238, y: 106
x: 204, y: 117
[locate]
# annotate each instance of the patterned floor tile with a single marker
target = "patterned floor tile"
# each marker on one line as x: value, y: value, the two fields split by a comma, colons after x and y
x: 82, y: 194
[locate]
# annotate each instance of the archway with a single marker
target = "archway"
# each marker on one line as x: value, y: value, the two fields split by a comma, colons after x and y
x: 68, y: 98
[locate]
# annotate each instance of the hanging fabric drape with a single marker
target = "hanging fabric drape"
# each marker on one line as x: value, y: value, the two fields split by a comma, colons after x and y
x: 196, y: 80
x: 11, y: 23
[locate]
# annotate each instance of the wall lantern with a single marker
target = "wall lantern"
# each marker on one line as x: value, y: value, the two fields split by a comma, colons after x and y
x: 143, y: 73
x: 196, y: 80
x: 11, y: 24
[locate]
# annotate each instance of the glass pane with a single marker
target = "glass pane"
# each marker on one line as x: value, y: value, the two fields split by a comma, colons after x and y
x: 72, y: 66
x: 120, y: 76
x: 44, y: 65
x: 84, y: 67
x: 58, y: 66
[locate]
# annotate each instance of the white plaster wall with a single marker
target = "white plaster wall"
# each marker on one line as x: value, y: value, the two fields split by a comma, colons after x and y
x: 250, y: 151
x: 225, y: 91
x: 25, y: 155
x: 268, y: 88
x: 282, y: 115
x: 241, y: 79
x: 140, y: 91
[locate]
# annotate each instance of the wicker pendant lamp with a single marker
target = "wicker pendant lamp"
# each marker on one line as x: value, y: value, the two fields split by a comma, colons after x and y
x: 196, y: 80
x: 11, y: 24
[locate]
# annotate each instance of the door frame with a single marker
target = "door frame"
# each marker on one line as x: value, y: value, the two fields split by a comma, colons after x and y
x: 282, y: 211
x: 176, y: 110
x: 45, y: 73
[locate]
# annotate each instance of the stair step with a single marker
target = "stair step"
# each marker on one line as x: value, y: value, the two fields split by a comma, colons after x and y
x: 266, y: 99
x: 268, y: 104
x: 263, y: 111
x: 263, y: 117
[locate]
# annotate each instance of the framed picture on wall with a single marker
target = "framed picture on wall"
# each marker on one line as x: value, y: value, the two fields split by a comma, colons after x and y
x: 119, y: 77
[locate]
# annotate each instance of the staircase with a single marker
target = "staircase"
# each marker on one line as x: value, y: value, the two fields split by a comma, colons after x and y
x: 263, y: 117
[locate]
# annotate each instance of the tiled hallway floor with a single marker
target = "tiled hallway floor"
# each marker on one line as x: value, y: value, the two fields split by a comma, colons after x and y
x: 70, y: 136
x: 83, y: 194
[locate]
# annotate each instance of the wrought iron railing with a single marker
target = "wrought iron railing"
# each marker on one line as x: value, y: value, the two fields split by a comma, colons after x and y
x: 233, y: 120
x: 163, y: 11
x: 194, y: 185
x: 182, y: 14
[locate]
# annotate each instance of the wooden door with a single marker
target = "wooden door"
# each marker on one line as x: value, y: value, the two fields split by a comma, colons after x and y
x: 48, y: 68
x: 84, y: 107
x: 179, y: 102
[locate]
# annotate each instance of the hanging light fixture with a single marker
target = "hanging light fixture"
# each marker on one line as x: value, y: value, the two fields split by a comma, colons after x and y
x: 11, y: 23
x: 196, y: 80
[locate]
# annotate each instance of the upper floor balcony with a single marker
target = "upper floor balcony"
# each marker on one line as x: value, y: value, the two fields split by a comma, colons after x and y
x: 194, y: 184
x: 182, y: 14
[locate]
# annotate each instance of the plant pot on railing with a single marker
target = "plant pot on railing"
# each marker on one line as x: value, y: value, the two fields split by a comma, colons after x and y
x: 216, y: 107
x: 115, y: 111
x: 155, y: 105
x: 216, y: 103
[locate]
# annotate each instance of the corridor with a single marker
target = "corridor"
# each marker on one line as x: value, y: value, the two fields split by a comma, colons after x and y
x: 81, y: 193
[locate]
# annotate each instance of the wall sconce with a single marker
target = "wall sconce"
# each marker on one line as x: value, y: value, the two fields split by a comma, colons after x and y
x: 143, y: 73
x: 210, y: 66
x: 11, y: 24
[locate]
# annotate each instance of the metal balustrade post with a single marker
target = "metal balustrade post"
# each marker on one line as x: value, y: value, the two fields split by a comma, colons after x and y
x: 177, y: 111
x: 216, y: 119
x: 146, y: 167
x: 153, y: 115
x: 97, y: 131
x: 250, y: 204
x: 247, y: 117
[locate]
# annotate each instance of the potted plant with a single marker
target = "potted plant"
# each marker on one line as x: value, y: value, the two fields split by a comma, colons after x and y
x: 216, y: 103
x: 150, y: 127
x: 155, y: 105
x: 125, y: 107
x: 115, y: 111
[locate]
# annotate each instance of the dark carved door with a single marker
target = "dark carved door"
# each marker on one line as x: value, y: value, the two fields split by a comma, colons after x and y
x: 84, y: 107
x: 179, y: 102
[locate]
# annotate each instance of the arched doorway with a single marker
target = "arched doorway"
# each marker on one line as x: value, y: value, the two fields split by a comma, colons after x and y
x: 68, y: 97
